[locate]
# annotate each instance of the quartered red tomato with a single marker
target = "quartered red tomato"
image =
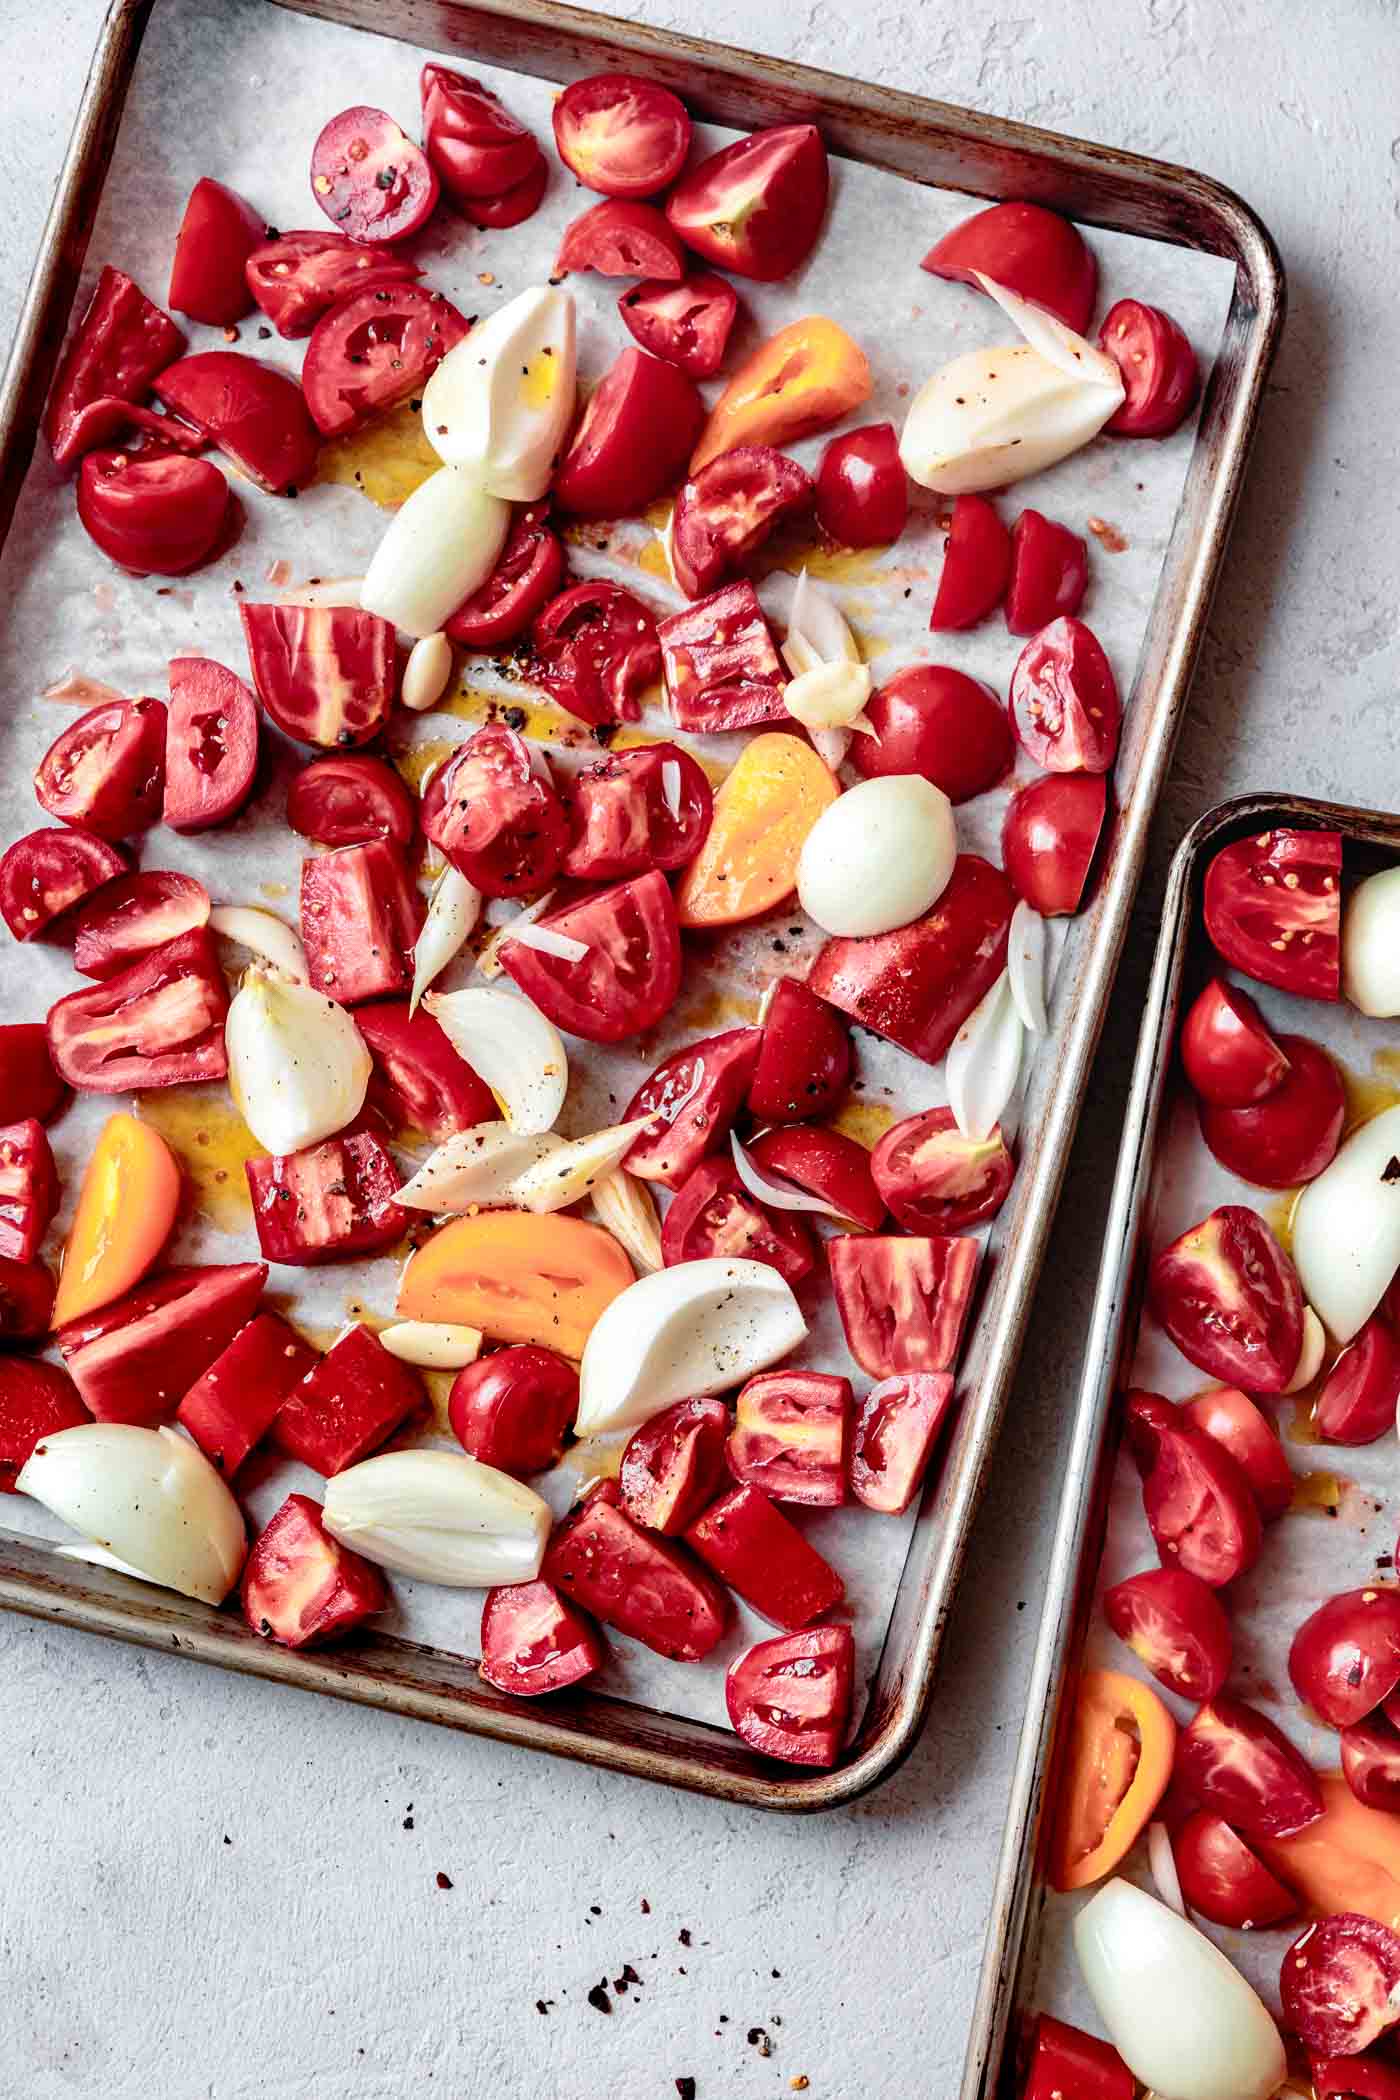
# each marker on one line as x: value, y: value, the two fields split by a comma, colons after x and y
x: 823, y: 1163
x: 896, y: 1428
x: 493, y: 811
x: 1358, y: 1402
x: 674, y: 1465
x: 157, y: 516
x: 374, y: 350
x: 370, y: 180
x: 755, y: 207
x: 933, y: 720
x: 344, y: 801
x: 325, y: 673
x: 231, y: 1408
x: 1273, y: 908
x: 595, y: 652
x: 1293, y: 1133
x: 622, y: 239
x: 714, y: 1214
x: 211, y: 744
x: 976, y: 566
x: 1237, y: 1763
x: 330, y: 1202
x: 1197, y: 1497
x: 862, y: 490
x: 135, y: 1359
x: 27, y: 1293
x: 687, y: 324
x: 1176, y: 1626
x: 419, y: 1080
x: 637, y: 433
x: 118, y: 347
x: 903, y: 1302
x: 727, y: 510
x: 1158, y: 368
x: 1229, y: 1056
x: 159, y: 1022
x: 1028, y: 249
x: 1233, y: 1419
x: 217, y: 235
x: 791, y: 1435
x: 477, y: 147
x: 1345, y: 1657
x: 1067, y: 2064
x: 129, y: 917
x: 355, y: 1398
x: 299, y: 276
x: 763, y: 1556
x: 630, y: 974
x: 520, y: 202
x: 643, y: 1585
x: 1049, y: 837
x: 140, y: 433
x: 791, y: 1697
x: 935, y: 1179
x: 1340, y: 1984
x: 1371, y: 1762
x: 622, y: 135
x: 44, y: 874
x: 1065, y: 707
x: 28, y: 1190
x: 634, y: 810
x: 254, y: 412
x: 1230, y: 1299
x: 533, y: 1641
x: 526, y: 577
x: 804, y: 1058
x: 697, y: 1093
x: 1222, y: 1879
x: 360, y: 917
x: 301, y: 1587
x: 1049, y: 573
x: 514, y: 1408
x: 29, y: 1085
x: 36, y: 1400
x: 721, y: 664
x: 106, y: 771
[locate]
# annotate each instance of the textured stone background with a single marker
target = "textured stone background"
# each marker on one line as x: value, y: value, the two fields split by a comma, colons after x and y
x: 211, y: 1890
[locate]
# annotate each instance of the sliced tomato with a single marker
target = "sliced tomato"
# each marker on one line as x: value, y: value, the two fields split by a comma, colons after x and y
x: 526, y: 577
x: 533, y: 1641
x: 933, y: 720
x: 28, y: 1189
x: 1065, y: 707
x: 686, y: 324
x: 419, y: 1081
x: 805, y: 378
x: 635, y: 436
x: 634, y: 810
x: 1175, y: 1625
x: 493, y: 811
x: 137, y: 432
x: 620, y: 134
x: 755, y: 207
x: 1293, y: 1133
x: 726, y: 511
x: 804, y: 1059
x: 1230, y: 1299
x: 714, y: 1214
x: 44, y: 874
x: 765, y: 1559
x: 299, y: 276
x: 934, y: 1179
x: 325, y: 673
x: 211, y: 744
x: 1371, y: 1762
x: 134, y: 1360
x: 1119, y: 1760
x: 622, y: 239
x: 517, y: 1277
x: 513, y: 206
x: 643, y: 1585
x: 1028, y: 249
x: 1222, y: 1879
x: 1345, y: 1657
x: 334, y: 1201
x: 790, y: 1698
x: 1359, y: 1400
x: 159, y: 516
x: 674, y: 1465
x: 29, y: 1085
x: 344, y: 801
x: 895, y: 1431
x: 252, y: 411
x: 1158, y: 367
x: 301, y: 1587
x: 595, y: 652
x: 1049, y: 573
x: 125, y: 1213
x: 347, y: 1405
x: 217, y: 235
x: 862, y: 489
x: 822, y: 1163
x: 1200, y: 1507
x: 1345, y: 1859
x: 1239, y: 1764
x: 766, y: 808
x: 903, y: 1302
x: 26, y: 1301
x: 1340, y: 1984
x: 631, y: 972
x: 696, y: 1093
x: 36, y: 1400
x: 1229, y: 1055
x: 115, y: 352
x: 1067, y: 2064
x: 159, y: 1022
x: 369, y: 179
x: 1273, y: 908
x: 514, y: 1408
x: 360, y: 917
x: 231, y: 1408
x: 106, y: 771
x: 721, y: 664
x: 791, y: 1436
x: 1354, y: 2078
x: 976, y: 566
x: 374, y: 350
x: 477, y: 147
x: 1049, y: 837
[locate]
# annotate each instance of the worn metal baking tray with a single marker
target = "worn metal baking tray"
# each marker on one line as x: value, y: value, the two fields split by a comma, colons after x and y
x: 1179, y: 967
x: 924, y: 142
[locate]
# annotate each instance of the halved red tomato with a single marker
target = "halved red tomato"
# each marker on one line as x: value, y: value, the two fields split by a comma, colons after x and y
x: 217, y: 235
x: 29, y: 1085
x: 1340, y: 1984
x: 674, y: 1465
x: 1065, y: 2061
x: 1049, y: 573
x: 533, y: 1641
x: 933, y: 720
x: 804, y: 1059
x: 726, y: 511
x: 1028, y: 249
x: 636, y: 435
x: 231, y: 1408
x: 1239, y: 1764
x: 1358, y: 1402
x: 862, y: 489
x: 44, y: 874
x: 755, y: 207
x: 493, y: 810
x: 630, y: 974
x: 935, y: 1179
x: 129, y: 917
x: 514, y: 1408
x: 1197, y: 1498
x: 211, y: 744
x: 300, y: 1586
x: 160, y: 1022
x: 1222, y: 1879
x: 1293, y: 1133
x: 1065, y: 707
x: 645, y: 1586
x: 36, y: 1400
x: 528, y: 574
x: 369, y: 178
x: 620, y: 134
x: 1233, y: 1419
x: 419, y: 1080
x: 28, y: 1189
x: 763, y: 1556
x: 1273, y: 908
x: 823, y: 1163
x: 1345, y: 1657
x: 686, y: 324
x: 520, y: 202
x: 696, y: 1094
x: 903, y: 1302
x: 714, y: 1214
x: 26, y: 1302
x: 477, y: 147
x: 976, y: 565
x: 791, y: 1435
x: 595, y: 652
x: 253, y: 412
x: 350, y: 1403
x: 115, y: 352
x: 360, y: 916
x: 159, y: 516
x: 298, y: 276
x: 325, y: 673
x: 721, y: 664
x: 344, y: 801
x: 1176, y: 1626
x: 134, y: 1360
x: 1049, y: 837
x: 1229, y: 1056
x: 329, y: 1202
x: 622, y: 239
x: 1371, y: 1762
x: 634, y: 810
x: 105, y: 772
x: 1230, y: 1299
x: 896, y: 1428
x: 791, y: 1697
x: 376, y: 349
x: 1158, y: 368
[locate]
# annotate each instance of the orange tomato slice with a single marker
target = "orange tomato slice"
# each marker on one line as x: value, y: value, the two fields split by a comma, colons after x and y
x: 806, y: 376
x: 517, y: 1277
x: 763, y: 812
x: 1349, y: 1859
x: 1118, y: 1762
x: 126, y: 1208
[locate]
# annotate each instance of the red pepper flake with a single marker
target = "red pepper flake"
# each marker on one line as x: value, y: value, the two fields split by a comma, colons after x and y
x: 443, y: 1882
x: 598, y: 1997
x: 686, y: 2088
x: 1108, y: 536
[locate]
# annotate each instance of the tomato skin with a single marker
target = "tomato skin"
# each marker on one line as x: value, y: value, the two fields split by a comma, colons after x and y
x: 1028, y: 249
x: 686, y: 324
x: 621, y: 822
x: 643, y: 1585
x: 791, y: 1437
x: 1199, y: 1504
x: 300, y: 276
x: 1370, y: 1750
x: 513, y: 206
x: 343, y: 801
x: 756, y: 207
x: 159, y: 1022
x: 532, y: 1641
x: 118, y: 347
x: 1229, y: 1056
x: 1230, y: 1299
x: 324, y: 673
x: 903, y: 1302
x: 46, y: 873
x: 1345, y: 1656
x: 726, y: 511
x: 1358, y: 1402
x: 106, y: 771
x: 1336, y: 1983
x: 933, y: 720
x: 635, y: 436
x: 803, y: 1060
x: 360, y: 917
x: 1244, y: 1430
x: 517, y: 1276
x: 1158, y: 368
x: 232, y: 1407
x: 1066, y: 2064
x: 211, y: 745
x: 596, y: 652
x: 1354, y: 2078
x: 862, y: 489
x: 36, y: 1400
x: 254, y: 412
x: 697, y: 1093
x: 134, y: 1360
x: 714, y: 1214
x: 674, y: 1465
x: 936, y: 1180
x: 622, y: 135
x: 28, y: 1190
x: 477, y: 148
x: 896, y: 1428
x: 1064, y: 702
x: 1222, y: 1879
x: 622, y: 238
x: 721, y: 664
x: 1049, y: 573
x: 513, y: 1409
x: 1108, y: 1791
x: 791, y: 1697
x: 1292, y: 1134
x: 976, y: 566
x: 496, y: 818
x: 374, y: 350
x: 26, y: 1302
x: 825, y: 1163
x: 806, y: 377
x: 141, y: 433
x: 348, y: 1405
x: 1273, y: 909
x: 278, y: 1599
x: 631, y: 974
x: 369, y: 179
x: 335, y: 1201
x: 156, y: 516
x: 765, y: 1559
x: 1241, y: 1766
x: 217, y: 235
x: 29, y: 1085
x: 1175, y: 1624
x: 129, y: 917
x: 419, y: 1080
x: 526, y: 577
x: 1049, y: 837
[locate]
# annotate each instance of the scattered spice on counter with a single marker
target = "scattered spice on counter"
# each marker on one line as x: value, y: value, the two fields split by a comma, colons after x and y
x: 758, y: 2038
x: 443, y: 1882
x: 686, y: 2088
x: 598, y: 1997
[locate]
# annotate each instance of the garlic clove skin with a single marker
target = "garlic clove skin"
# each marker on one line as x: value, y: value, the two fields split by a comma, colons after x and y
x: 993, y: 417
x: 817, y: 631
x: 298, y: 1067
x: 1056, y: 341
x: 263, y: 934
x: 984, y: 1062
x: 829, y: 696
x: 571, y: 1171
x: 503, y: 398
x: 441, y: 545
x: 439, y: 1516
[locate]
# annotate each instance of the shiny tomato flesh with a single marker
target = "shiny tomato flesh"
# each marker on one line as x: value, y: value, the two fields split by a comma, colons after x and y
x: 27, y: 1292
x: 1064, y: 703
x: 1340, y: 1984
x: 674, y: 1465
x: 630, y: 974
x: 696, y: 1093
x: 804, y: 1058
x: 755, y: 208
x: 533, y: 1641
x: 791, y: 1436
x: 374, y: 350
x: 360, y: 918
x: 790, y: 1698
x: 343, y: 801
x: 348, y: 1405
x: 1345, y: 1657
x: 622, y: 238
x: 106, y: 771
x: 160, y: 515
x: 1273, y: 908
x: 419, y: 1081
x: 231, y: 1408
x: 714, y: 1214
x: 1230, y: 1299
x: 1067, y: 2064
x: 370, y: 180
x: 862, y: 489
x: 1358, y: 1402
x: 1049, y: 837
x: 635, y: 810
x: 721, y: 664
x: 495, y: 814
x: 1243, y: 1429
x: 526, y: 577
x: 765, y: 1559
x: 1293, y: 1133
x: 636, y: 1581
x: 46, y: 873
x: 211, y: 744
x: 334, y: 1201
x: 1371, y: 1761
x: 620, y: 134
x: 513, y: 206
x: 1158, y: 367
x: 301, y: 1587
x: 635, y: 436
x: 28, y: 1189
x: 896, y: 1428
x: 1239, y: 1764
x: 134, y: 1360
x: 903, y: 1302
x: 1175, y: 1625
x: 936, y: 1180
x: 595, y: 652
x: 1228, y: 1054
x: 728, y: 509
x: 29, y: 1085
x: 478, y: 149
x: 256, y: 413
x: 118, y: 347
x: 1118, y: 1762
x: 822, y: 1163
x: 687, y: 324
x: 299, y: 276
x: 1198, y: 1500
x: 1222, y: 1879
x: 159, y: 1022
x: 129, y: 917
x: 324, y: 673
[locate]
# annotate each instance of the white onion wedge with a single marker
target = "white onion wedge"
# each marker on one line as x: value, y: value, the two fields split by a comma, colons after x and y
x: 453, y: 911
x: 1026, y: 950
x: 263, y: 934
x: 488, y: 962
x: 1162, y: 1861
x: 995, y: 416
x: 984, y: 1062
x: 99, y: 1557
x: 699, y: 1327
x: 547, y: 941
x: 778, y: 1195
x: 441, y: 545
x: 1346, y: 1227
x: 831, y: 746
x: 572, y: 1171
x: 434, y: 1345
x: 1055, y: 340
x: 1310, y: 1355
x: 148, y: 1497
x: 298, y: 1067
x: 626, y: 1208
x: 441, y: 1516
x: 502, y: 399
x: 511, y: 1045
x: 1371, y: 945
x: 426, y: 673
x: 476, y: 1169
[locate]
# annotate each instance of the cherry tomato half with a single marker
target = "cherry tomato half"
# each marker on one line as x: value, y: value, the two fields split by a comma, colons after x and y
x: 533, y: 1641
x: 513, y: 1409
x: 622, y: 239
x: 342, y: 801
x: 1239, y: 1764
x: 823, y: 1163
x: 211, y: 744
x: 299, y: 276
x: 217, y: 235
x: 634, y: 810
x: 1229, y: 1056
x: 373, y: 350
x: 514, y: 205
x: 1049, y: 837
x: 1338, y: 1984
x: 1064, y: 2061
x: 862, y: 489
x: 369, y: 179
x: 1244, y: 1430
x: 106, y: 771
x: 526, y: 577
x: 622, y: 135
x: 728, y: 509
x: 1371, y: 1762
x: 1230, y: 1299
x: 714, y: 1214
x: 1345, y: 1657
x: 896, y: 1428
x: 1293, y: 1133
x: 696, y: 1092
x: 160, y: 516
x: 159, y: 1022
x: 134, y: 914
x: 686, y: 324
x: 595, y: 651
x: 1222, y: 1879
x: 477, y: 148
x: 1359, y: 1400
x: 1273, y: 908
x: 674, y: 1466
x: 496, y: 815
x: 1158, y: 367
x: 636, y: 435
x: 1197, y: 1498
x: 1064, y: 702
x: 253, y: 412
x: 790, y: 1436
x: 643, y: 1585
x: 1028, y: 249
x: 1049, y: 573
x: 36, y: 1400
x: 1176, y: 1626
x: 933, y: 720
x: 721, y: 664
x: 419, y: 1081
x: 976, y: 565
x: 803, y: 1060
x: 755, y: 207
x: 791, y: 1697
x: 631, y: 972
x: 29, y: 1085
x: 45, y: 873
x: 1118, y: 1763
x: 935, y: 1179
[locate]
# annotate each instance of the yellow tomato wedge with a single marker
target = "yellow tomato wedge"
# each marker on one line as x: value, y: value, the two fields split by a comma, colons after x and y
x: 518, y: 1277
x: 1118, y: 1763
x: 1349, y: 1859
x: 126, y: 1207
x: 805, y: 377
x: 763, y: 813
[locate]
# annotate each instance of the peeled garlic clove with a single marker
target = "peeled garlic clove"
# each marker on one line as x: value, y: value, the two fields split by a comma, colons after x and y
x: 298, y: 1067
x: 261, y: 933
x: 511, y: 1045
x: 571, y: 1171
x: 1371, y: 945
x: 984, y: 1062
x: 441, y: 1516
x: 426, y: 673
x: 1346, y: 1228
x: 831, y: 746
x: 503, y: 398
x: 1025, y: 966
x: 992, y: 417
x: 625, y: 1207
x: 1310, y: 1354
x: 878, y: 857
x: 147, y: 1497
x: 476, y: 1168
x: 829, y: 696
x: 1056, y: 341
x: 817, y: 632
x: 434, y: 1345
x: 453, y: 911
x: 441, y: 545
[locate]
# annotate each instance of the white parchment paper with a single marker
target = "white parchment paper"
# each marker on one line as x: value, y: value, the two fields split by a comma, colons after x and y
x: 239, y: 89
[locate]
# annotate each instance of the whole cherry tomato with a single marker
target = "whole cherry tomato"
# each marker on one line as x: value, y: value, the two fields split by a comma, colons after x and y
x: 595, y: 652
x: 1229, y: 1056
x: 496, y: 815
x: 1222, y: 1879
x: 106, y: 771
x: 299, y: 276
x: 1199, y: 1505
x: 636, y: 434
x: 211, y: 744
x: 1293, y: 1133
x: 253, y: 412
x: 1273, y: 908
x: 1237, y: 1763
x: 622, y: 135
x: 1176, y: 1626
x: 45, y: 873
x: 374, y: 350
x: 1345, y: 1657
x: 1049, y: 837
x: 1230, y: 1299
x: 477, y: 148
x: 369, y: 178
x: 696, y: 1093
x: 755, y: 207
x: 862, y: 490
x: 1064, y: 703
x: 976, y: 565
x: 1359, y: 1400
x: 217, y: 235
x: 159, y: 516
x: 1049, y: 573
x: 1028, y: 249
x: 1158, y: 367
x: 513, y: 1409
x: 687, y: 324
x: 526, y: 577
x: 1234, y: 1421
x: 728, y: 509
x: 935, y: 1179
x: 803, y: 1062
x: 622, y: 239
x: 933, y: 720
x: 1371, y: 1762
